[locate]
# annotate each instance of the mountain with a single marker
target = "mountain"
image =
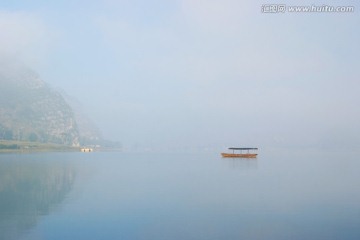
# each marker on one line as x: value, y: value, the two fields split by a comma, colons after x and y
x: 88, y: 131
x: 32, y: 111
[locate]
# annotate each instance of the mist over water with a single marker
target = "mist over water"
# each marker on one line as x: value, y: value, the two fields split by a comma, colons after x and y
x: 195, y: 73
x: 178, y: 82
x: 280, y: 195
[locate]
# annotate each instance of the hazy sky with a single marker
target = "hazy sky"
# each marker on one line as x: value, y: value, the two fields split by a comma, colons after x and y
x: 197, y: 72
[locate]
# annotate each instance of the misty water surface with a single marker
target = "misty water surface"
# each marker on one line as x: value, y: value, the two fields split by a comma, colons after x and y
x: 287, y: 194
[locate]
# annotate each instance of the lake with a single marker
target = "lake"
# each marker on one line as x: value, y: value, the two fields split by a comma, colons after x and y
x: 283, y: 194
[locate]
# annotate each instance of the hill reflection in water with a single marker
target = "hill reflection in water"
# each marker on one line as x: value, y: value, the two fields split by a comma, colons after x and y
x: 287, y: 194
x: 30, y: 189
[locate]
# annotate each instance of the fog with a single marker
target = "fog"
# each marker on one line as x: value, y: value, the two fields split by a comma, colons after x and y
x: 196, y: 73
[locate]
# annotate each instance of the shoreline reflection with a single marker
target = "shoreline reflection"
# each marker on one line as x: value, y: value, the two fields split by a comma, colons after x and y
x: 29, y: 189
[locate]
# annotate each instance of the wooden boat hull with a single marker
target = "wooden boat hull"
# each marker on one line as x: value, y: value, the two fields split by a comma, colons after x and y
x: 239, y: 155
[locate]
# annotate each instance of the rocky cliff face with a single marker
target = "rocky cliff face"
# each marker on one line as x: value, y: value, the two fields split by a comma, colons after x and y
x: 31, y: 111
x: 89, y: 132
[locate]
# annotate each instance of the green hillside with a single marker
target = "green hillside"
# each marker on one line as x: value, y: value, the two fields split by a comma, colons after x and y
x: 31, y: 111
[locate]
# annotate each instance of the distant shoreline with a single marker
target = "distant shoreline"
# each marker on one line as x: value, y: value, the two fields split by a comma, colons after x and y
x: 10, y: 146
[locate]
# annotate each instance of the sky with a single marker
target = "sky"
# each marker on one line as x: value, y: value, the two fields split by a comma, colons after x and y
x: 197, y: 73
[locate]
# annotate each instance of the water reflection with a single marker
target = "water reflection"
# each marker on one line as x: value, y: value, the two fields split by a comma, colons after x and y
x: 242, y: 163
x: 180, y: 196
x: 30, y: 188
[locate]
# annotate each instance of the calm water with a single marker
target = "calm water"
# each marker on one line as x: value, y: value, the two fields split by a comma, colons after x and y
x: 281, y: 195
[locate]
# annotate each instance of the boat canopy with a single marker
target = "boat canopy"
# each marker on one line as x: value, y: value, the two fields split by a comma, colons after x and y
x: 234, y: 148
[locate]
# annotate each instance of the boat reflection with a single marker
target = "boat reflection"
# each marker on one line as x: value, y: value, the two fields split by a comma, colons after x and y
x: 30, y: 189
x: 242, y: 163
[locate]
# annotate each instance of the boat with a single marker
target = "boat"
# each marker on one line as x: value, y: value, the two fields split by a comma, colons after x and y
x: 86, y: 149
x: 247, y: 154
